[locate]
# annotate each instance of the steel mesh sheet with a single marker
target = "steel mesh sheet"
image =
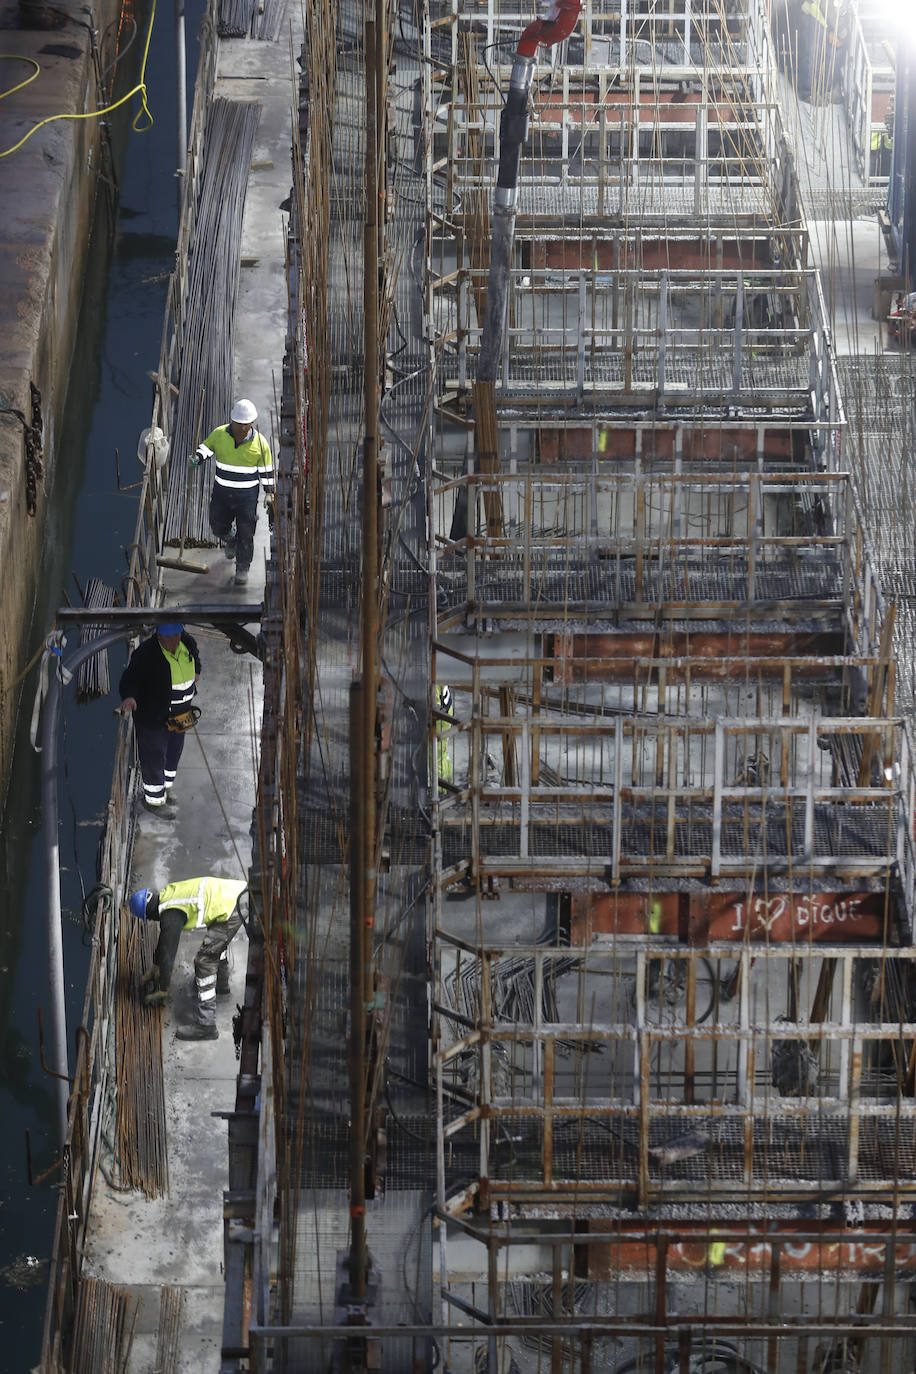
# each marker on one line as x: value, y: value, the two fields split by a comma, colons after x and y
x: 666, y: 201
x: 839, y: 831
x: 787, y: 1154
x: 607, y: 583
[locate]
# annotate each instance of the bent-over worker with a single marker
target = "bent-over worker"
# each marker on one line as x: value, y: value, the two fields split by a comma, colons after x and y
x: 210, y: 904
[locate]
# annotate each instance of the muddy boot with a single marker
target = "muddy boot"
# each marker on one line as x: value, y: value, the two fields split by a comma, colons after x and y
x: 198, y: 1030
x: 203, y: 1027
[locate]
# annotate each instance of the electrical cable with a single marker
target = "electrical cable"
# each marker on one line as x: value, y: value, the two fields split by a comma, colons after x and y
x: 122, y: 52
x: 18, y: 57
x: 140, y: 88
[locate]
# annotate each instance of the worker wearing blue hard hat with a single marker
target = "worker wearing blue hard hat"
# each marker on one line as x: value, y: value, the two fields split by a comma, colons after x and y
x: 158, y: 687
x: 211, y: 904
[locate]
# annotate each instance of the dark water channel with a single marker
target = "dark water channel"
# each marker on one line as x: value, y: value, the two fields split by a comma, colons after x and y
x: 90, y: 523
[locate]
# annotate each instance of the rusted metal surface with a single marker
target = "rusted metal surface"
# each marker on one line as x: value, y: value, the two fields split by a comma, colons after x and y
x: 749, y: 1249
x: 705, y: 655
x: 704, y: 917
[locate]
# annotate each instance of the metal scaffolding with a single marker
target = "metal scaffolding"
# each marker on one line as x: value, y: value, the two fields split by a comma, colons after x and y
x: 672, y: 1013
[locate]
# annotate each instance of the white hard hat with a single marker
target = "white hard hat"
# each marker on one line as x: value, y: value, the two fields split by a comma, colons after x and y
x: 244, y: 413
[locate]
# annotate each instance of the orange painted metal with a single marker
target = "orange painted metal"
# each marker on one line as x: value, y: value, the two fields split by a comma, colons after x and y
x: 717, y: 442
x: 747, y: 1249
x: 701, y: 918
x: 699, y: 254
x: 607, y: 657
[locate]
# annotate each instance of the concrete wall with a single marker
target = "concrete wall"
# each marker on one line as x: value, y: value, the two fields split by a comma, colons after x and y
x: 48, y: 190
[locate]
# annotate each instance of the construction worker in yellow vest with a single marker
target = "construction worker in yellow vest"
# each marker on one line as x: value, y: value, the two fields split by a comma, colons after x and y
x: 882, y: 146
x: 445, y: 707
x: 210, y: 904
x: 242, y: 467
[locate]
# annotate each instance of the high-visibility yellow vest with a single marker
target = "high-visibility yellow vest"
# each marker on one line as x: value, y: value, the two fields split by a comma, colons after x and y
x: 443, y: 753
x: 181, y: 667
x: 204, y: 901
x: 813, y: 7
x: 239, y: 467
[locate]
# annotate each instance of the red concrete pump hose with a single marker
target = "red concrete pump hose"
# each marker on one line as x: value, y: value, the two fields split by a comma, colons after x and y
x: 558, y: 25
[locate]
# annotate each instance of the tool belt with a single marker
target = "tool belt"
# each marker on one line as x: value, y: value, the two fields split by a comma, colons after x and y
x: 183, y: 720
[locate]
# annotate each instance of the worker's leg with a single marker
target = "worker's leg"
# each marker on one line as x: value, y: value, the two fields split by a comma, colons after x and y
x: 246, y: 519
x: 173, y: 751
x: 211, y: 952
x: 171, y: 924
x: 151, y: 751
x: 221, y: 512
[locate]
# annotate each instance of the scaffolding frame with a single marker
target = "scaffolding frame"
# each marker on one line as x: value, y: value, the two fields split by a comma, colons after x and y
x: 671, y: 1017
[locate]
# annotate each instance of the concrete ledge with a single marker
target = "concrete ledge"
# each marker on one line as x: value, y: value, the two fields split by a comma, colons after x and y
x: 48, y: 189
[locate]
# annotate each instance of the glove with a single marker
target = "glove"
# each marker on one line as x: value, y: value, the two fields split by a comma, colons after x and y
x: 269, y: 508
x: 199, y: 454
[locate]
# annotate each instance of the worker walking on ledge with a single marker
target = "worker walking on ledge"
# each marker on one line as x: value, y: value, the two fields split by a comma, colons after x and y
x: 242, y: 465
x: 158, y: 686
x: 210, y: 904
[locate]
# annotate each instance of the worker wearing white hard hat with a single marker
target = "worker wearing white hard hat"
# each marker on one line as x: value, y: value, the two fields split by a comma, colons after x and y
x: 242, y: 467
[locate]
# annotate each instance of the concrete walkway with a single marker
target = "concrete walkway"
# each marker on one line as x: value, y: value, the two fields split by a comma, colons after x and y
x: 178, y: 1241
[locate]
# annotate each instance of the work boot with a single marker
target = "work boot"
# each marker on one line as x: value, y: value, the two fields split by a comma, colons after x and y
x: 222, y: 979
x: 164, y: 810
x: 229, y: 548
x: 198, y: 1030
x: 241, y: 577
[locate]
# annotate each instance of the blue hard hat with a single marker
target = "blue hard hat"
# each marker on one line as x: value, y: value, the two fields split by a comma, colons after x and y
x: 171, y: 627
x: 138, y: 902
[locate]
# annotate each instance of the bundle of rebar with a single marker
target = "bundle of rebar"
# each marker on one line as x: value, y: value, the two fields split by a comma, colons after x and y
x: 234, y: 18
x: 205, y: 394
x: 268, y: 20
x: 251, y: 18
x: 142, y: 1153
x: 92, y: 676
x: 104, y: 1327
x: 168, y: 1339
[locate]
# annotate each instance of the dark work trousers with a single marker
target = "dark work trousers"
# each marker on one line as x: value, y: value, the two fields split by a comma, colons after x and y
x: 171, y: 924
x: 159, y: 752
x: 241, y: 509
x: 213, y: 949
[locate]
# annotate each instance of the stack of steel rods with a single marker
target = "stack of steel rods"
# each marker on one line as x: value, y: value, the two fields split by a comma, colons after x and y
x: 168, y: 1341
x: 268, y: 20
x: 92, y: 675
x: 234, y: 18
x: 104, y: 1327
x: 207, y: 384
x: 142, y: 1152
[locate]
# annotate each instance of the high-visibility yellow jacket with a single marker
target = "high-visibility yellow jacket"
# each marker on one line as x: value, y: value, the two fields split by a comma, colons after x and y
x: 816, y: 10
x: 242, y: 466
x: 204, y: 901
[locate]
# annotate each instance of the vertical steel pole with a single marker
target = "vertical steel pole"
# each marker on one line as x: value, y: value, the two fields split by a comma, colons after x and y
x: 49, y: 820
x: 363, y: 705
x: 51, y: 845
x: 181, y: 103
x: 357, y: 1047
